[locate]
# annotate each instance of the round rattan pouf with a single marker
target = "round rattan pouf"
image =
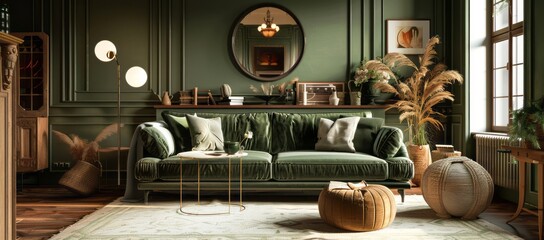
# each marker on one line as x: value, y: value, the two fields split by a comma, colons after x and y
x: 366, y: 208
x: 457, y: 186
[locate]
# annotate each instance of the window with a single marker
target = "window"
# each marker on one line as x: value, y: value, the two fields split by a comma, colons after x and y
x: 507, y: 61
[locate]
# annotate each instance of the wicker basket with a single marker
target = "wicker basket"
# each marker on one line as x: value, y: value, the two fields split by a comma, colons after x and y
x: 82, y: 178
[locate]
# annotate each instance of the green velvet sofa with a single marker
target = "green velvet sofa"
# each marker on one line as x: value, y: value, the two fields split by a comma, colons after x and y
x: 281, y: 156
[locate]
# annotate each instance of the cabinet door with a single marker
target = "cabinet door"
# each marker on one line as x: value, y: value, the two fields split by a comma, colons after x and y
x: 32, y: 146
x: 31, y: 92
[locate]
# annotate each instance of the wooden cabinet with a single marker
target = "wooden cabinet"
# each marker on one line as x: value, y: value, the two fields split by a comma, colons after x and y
x: 32, y: 143
x: 8, y: 47
x: 31, y: 102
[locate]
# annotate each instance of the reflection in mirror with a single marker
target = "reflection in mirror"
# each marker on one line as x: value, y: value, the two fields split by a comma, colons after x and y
x: 267, y: 42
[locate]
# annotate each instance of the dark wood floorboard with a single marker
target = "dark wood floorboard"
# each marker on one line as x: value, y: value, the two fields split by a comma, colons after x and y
x: 45, y: 211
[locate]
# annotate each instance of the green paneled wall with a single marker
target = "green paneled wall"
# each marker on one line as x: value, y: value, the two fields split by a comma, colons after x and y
x: 183, y: 44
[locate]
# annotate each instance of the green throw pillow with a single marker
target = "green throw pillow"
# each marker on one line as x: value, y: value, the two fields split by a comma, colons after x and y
x: 158, y: 141
x: 206, y: 133
x: 180, y: 130
x: 336, y: 135
x: 388, y: 142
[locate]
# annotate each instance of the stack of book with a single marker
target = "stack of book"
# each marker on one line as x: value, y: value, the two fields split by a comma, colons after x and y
x: 233, y: 100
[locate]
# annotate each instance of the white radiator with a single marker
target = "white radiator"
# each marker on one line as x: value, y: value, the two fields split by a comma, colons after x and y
x: 501, y: 166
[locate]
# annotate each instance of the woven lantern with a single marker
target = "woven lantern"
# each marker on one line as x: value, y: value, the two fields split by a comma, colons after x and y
x: 457, y: 186
x: 355, y: 208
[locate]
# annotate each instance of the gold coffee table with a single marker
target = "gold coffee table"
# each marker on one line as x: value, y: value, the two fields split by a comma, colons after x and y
x: 203, y: 156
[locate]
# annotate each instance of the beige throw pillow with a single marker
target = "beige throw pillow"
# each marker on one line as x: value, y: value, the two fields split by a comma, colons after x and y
x: 336, y: 135
x: 206, y: 133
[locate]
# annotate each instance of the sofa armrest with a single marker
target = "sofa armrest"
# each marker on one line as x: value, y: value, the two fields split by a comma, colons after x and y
x: 388, y: 143
x: 135, y: 153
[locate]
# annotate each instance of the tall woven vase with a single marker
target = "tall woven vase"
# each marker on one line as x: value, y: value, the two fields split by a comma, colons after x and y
x: 421, y: 156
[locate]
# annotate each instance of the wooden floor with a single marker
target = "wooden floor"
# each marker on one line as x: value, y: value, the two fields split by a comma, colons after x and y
x: 44, y: 211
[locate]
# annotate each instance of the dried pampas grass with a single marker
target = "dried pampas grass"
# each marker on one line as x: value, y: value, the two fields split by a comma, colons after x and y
x: 422, y: 91
x: 83, y: 150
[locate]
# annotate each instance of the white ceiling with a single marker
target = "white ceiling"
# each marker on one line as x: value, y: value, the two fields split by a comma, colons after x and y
x: 256, y: 17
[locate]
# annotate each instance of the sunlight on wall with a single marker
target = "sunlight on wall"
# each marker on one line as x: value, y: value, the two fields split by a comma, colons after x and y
x: 478, y: 67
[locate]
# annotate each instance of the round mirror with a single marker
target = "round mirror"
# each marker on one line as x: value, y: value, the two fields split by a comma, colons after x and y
x: 267, y: 42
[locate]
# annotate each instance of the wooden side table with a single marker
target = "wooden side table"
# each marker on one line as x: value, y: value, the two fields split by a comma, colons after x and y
x: 203, y: 156
x: 529, y: 156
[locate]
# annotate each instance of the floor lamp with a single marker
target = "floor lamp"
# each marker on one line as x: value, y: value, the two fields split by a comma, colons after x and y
x: 136, y: 77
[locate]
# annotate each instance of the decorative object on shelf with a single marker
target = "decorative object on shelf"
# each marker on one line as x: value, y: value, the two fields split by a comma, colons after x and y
x: 266, y: 88
x: 83, y: 177
x: 418, y: 95
x: 318, y: 93
x: 226, y: 91
x: 333, y: 99
x: 458, y: 187
x: 196, y: 97
x: 369, y: 73
x: 135, y: 76
x: 357, y: 207
x: 407, y: 36
x: 4, y: 18
x: 166, y: 98
x: 528, y: 124
x: 356, y: 94
x: 289, y: 96
x: 267, y: 98
x: 283, y: 87
x: 268, y: 29
x: 373, y: 93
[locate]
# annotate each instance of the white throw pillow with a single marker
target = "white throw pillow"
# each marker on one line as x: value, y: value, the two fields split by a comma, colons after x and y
x: 336, y: 135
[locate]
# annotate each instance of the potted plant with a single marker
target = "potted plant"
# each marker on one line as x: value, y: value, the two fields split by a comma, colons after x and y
x: 418, y: 94
x: 527, y: 125
x: 83, y: 177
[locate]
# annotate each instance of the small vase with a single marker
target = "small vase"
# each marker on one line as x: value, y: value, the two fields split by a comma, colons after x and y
x: 355, y: 98
x: 166, y: 99
x: 333, y: 99
x: 373, y: 93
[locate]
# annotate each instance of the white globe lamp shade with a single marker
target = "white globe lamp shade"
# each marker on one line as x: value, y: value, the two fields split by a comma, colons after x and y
x: 136, y: 77
x: 105, y: 51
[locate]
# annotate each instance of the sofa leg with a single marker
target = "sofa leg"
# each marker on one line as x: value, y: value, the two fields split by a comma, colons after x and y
x: 401, y: 192
x: 146, y: 196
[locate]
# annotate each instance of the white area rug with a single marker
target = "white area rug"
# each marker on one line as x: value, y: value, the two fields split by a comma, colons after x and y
x: 267, y: 220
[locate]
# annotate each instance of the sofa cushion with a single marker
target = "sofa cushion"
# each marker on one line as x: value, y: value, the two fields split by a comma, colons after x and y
x: 365, y: 135
x: 234, y: 125
x: 298, y: 131
x: 336, y: 135
x: 179, y: 127
x: 206, y: 133
x: 158, y: 141
x: 388, y: 142
x: 325, y: 166
x: 256, y: 166
x: 400, y: 168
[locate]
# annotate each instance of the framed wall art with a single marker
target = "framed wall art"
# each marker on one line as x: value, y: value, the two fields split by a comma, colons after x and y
x: 407, y: 36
